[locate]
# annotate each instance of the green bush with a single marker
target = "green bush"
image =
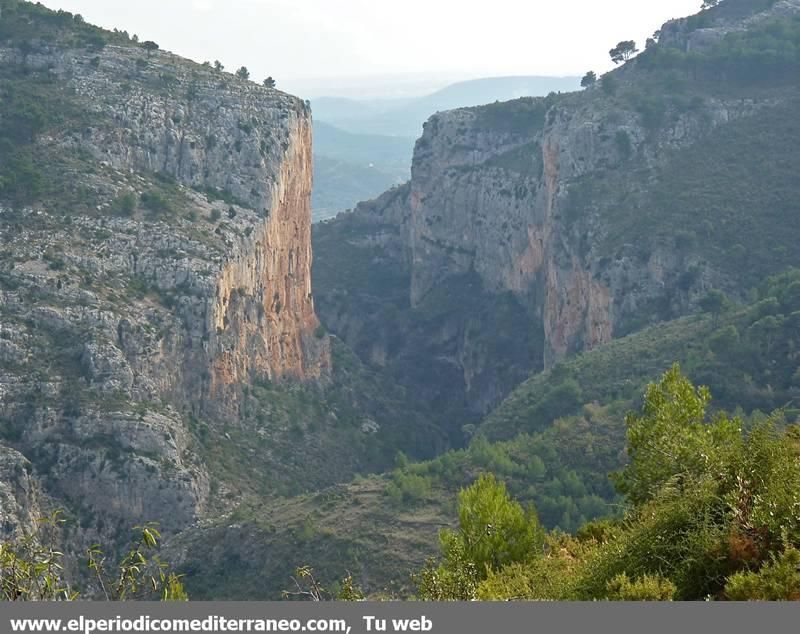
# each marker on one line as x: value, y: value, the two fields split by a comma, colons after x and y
x: 624, y: 145
x: 21, y: 180
x: 712, y: 513
x: 156, y: 203
x: 646, y: 588
x: 778, y: 580
x: 124, y: 205
x: 31, y: 568
x: 550, y: 577
x: 609, y: 84
x: 407, y: 488
x: 494, y: 532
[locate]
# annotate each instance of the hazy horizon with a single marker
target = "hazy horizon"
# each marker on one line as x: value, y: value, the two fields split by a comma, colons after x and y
x: 320, y: 48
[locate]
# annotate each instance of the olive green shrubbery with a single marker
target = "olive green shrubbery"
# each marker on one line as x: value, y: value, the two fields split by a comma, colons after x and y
x: 31, y: 569
x: 494, y: 532
x: 713, y: 512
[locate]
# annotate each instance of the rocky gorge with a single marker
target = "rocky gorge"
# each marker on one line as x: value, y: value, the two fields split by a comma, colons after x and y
x: 168, y: 354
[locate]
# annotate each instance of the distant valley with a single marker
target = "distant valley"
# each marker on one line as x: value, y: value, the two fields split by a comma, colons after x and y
x: 364, y: 147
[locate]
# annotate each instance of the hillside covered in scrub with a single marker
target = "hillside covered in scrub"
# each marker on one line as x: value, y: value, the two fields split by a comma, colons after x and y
x: 553, y: 443
x: 456, y: 358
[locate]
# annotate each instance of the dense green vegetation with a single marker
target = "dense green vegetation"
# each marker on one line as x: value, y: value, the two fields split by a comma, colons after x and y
x: 765, y: 52
x: 705, y: 200
x: 712, y: 514
x: 746, y: 355
x: 561, y: 469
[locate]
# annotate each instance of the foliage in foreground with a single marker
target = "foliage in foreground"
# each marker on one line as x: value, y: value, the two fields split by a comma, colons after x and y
x: 713, y: 513
x: 308, y: 588
x: 494, y: 532
x: 31, y: 569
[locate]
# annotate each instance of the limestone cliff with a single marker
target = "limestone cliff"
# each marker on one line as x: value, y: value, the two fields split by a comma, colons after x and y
x: 233, y: 136
x: 264, y: 298
x: 162, y: 270
x: 563, y: 203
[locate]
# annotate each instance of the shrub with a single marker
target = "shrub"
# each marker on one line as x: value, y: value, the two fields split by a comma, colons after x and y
x: 646, y: 588
x: 624, y: 145
x: 31, y: 568
x: 408, y: 488
x: 125, y: 204
x: 155, y: 202
x: 548, y: 578
x: 494, y: 530
x: 609, y: 85
x: 778, y: 580
x: 20, y: 179
x: 150, y: 47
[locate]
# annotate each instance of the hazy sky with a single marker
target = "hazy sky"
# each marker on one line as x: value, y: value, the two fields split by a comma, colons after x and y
x: 298, y: 40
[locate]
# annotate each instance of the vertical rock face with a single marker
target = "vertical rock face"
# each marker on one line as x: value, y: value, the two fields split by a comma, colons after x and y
x: 19, y: 493
x: 263, y: 310
x: 464, y: 208
x: 495, y: 197
x: 488, y: 197
x: 236, y: 137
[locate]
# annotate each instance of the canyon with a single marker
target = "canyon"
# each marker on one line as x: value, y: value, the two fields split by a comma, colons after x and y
x: 170, y: 350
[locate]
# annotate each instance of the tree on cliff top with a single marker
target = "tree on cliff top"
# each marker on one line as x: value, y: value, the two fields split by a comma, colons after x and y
x: 623, y: 51
x: 589, y: 79
x: 150, y: 46
x: 243, y: 73
x: 715, y: 303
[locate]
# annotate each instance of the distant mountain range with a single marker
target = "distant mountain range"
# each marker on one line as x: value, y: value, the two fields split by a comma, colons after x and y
x: 404, y: 117
x: 363, y: 147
